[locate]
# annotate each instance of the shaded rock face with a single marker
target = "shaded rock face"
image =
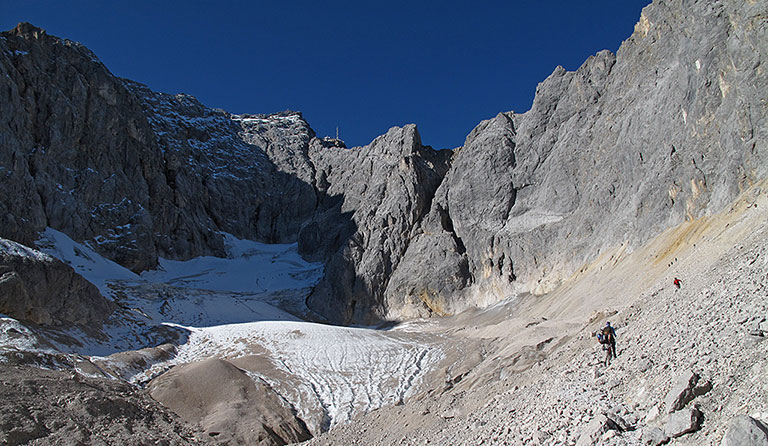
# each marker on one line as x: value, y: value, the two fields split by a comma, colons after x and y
x: 371, y: 198
x: 135, y: 173
x: 43, y: 290
x: 221, y: 172
x: 670, y: 128
x: 77, y: 152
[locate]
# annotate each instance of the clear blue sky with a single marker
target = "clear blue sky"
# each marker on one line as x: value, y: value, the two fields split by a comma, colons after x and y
x: 361, y: 66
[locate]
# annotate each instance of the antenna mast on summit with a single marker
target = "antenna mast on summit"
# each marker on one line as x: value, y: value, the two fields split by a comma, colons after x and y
x: 337, y: 132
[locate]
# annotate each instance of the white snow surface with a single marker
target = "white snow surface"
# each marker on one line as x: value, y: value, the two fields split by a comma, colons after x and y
x: 243, y: 306
x: 340, y: 371
x: 95, y: 268
x: 250, y: 267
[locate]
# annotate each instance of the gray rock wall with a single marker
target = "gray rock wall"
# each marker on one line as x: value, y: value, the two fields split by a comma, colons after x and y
x: 77, y: 152
x: 669, y: 129
x: 134, y: 173
x: 224, y: 175
x: 372, y: 198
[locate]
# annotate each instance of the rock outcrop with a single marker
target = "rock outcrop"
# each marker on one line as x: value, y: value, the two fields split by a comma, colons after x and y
x: 685, y: 388
x: 38, y: 288
x: 372, y: 197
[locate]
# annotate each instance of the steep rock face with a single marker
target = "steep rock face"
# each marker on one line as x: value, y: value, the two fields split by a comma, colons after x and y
x: 671, y: 128
x: 459, y: 229
x: 371, y: 199
x: 134, y: 173
x: 77, y: 153
x: 224, y: 174
x: 41, y: 289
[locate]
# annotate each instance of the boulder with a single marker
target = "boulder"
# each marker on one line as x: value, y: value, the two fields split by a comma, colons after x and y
x: 620, y: 422
x: 686, y: 387
x: 598, y: 426
x: 683, y: 422
x: 653, y: 436
x: 744, y: 430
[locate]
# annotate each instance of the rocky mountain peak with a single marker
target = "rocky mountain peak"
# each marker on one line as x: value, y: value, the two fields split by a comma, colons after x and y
x: 28, y: 31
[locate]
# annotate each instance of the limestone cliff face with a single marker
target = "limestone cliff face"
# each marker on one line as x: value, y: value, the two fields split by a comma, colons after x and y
x: 220, y: 170
x: 670, y: 128
x: 372, y: 198
x: 134, y: 173
x: 77, y: 152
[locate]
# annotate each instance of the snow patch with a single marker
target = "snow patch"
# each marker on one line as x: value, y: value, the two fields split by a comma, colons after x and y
x: 86, y: 262
x: 16, y: 337
x: 17, y: 249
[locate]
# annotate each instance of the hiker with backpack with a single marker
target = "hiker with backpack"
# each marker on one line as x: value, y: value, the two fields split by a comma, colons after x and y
x: 606, y: 348
x: 607, y: 339
x: 609, y: 334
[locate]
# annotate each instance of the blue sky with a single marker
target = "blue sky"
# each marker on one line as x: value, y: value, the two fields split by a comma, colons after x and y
x: 361, y: 66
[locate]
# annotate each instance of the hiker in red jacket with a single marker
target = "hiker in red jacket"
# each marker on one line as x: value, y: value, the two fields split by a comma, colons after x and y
x: 677, y: 282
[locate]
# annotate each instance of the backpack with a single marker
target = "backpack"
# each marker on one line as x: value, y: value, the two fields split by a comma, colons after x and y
x: 607, y: 335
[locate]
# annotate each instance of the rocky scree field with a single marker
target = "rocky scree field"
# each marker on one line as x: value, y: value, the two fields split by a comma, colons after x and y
x: 691, y: 366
